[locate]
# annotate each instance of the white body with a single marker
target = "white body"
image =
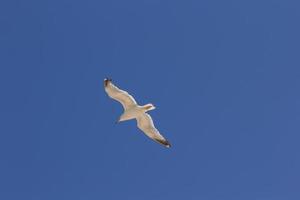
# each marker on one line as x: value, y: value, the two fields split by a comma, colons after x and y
x: 133, y: 111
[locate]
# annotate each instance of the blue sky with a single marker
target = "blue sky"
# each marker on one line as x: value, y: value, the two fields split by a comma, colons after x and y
x: 224, y: 76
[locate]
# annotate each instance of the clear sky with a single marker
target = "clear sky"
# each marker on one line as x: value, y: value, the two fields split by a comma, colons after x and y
x: 223, y: 75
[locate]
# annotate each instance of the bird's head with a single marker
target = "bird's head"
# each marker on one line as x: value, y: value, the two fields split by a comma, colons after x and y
x: 149, y: 106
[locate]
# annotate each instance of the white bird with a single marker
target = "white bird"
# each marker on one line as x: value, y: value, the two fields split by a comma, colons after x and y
x: 133, y: 111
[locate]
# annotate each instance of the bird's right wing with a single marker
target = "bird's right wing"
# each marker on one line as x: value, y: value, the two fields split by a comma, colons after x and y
x: 120, y: 95
x: 145, y: 123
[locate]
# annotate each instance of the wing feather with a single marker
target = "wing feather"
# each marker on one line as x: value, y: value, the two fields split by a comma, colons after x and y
x: 122, y: 96
x: 145, y: 123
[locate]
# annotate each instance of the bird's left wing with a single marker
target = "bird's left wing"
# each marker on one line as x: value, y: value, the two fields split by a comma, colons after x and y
x: 145, y: 123
x: 120, y: 95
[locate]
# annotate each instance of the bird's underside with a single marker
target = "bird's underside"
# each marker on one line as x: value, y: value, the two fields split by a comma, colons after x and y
x: 144, y: 120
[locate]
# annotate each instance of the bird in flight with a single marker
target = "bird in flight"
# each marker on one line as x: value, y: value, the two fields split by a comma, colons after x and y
x: 134, y: 111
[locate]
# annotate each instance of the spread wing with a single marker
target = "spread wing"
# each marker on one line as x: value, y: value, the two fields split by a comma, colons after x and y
x: 145, y: 123
x: 120, y: 95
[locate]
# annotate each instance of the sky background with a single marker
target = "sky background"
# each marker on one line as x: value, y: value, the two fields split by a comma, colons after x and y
x: 223, y: 75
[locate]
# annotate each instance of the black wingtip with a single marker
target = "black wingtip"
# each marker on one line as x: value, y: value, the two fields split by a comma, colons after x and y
x: 166, y: 143
x: 106, y: 81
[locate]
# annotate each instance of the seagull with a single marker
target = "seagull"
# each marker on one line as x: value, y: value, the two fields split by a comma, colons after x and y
x: 134, y: 111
